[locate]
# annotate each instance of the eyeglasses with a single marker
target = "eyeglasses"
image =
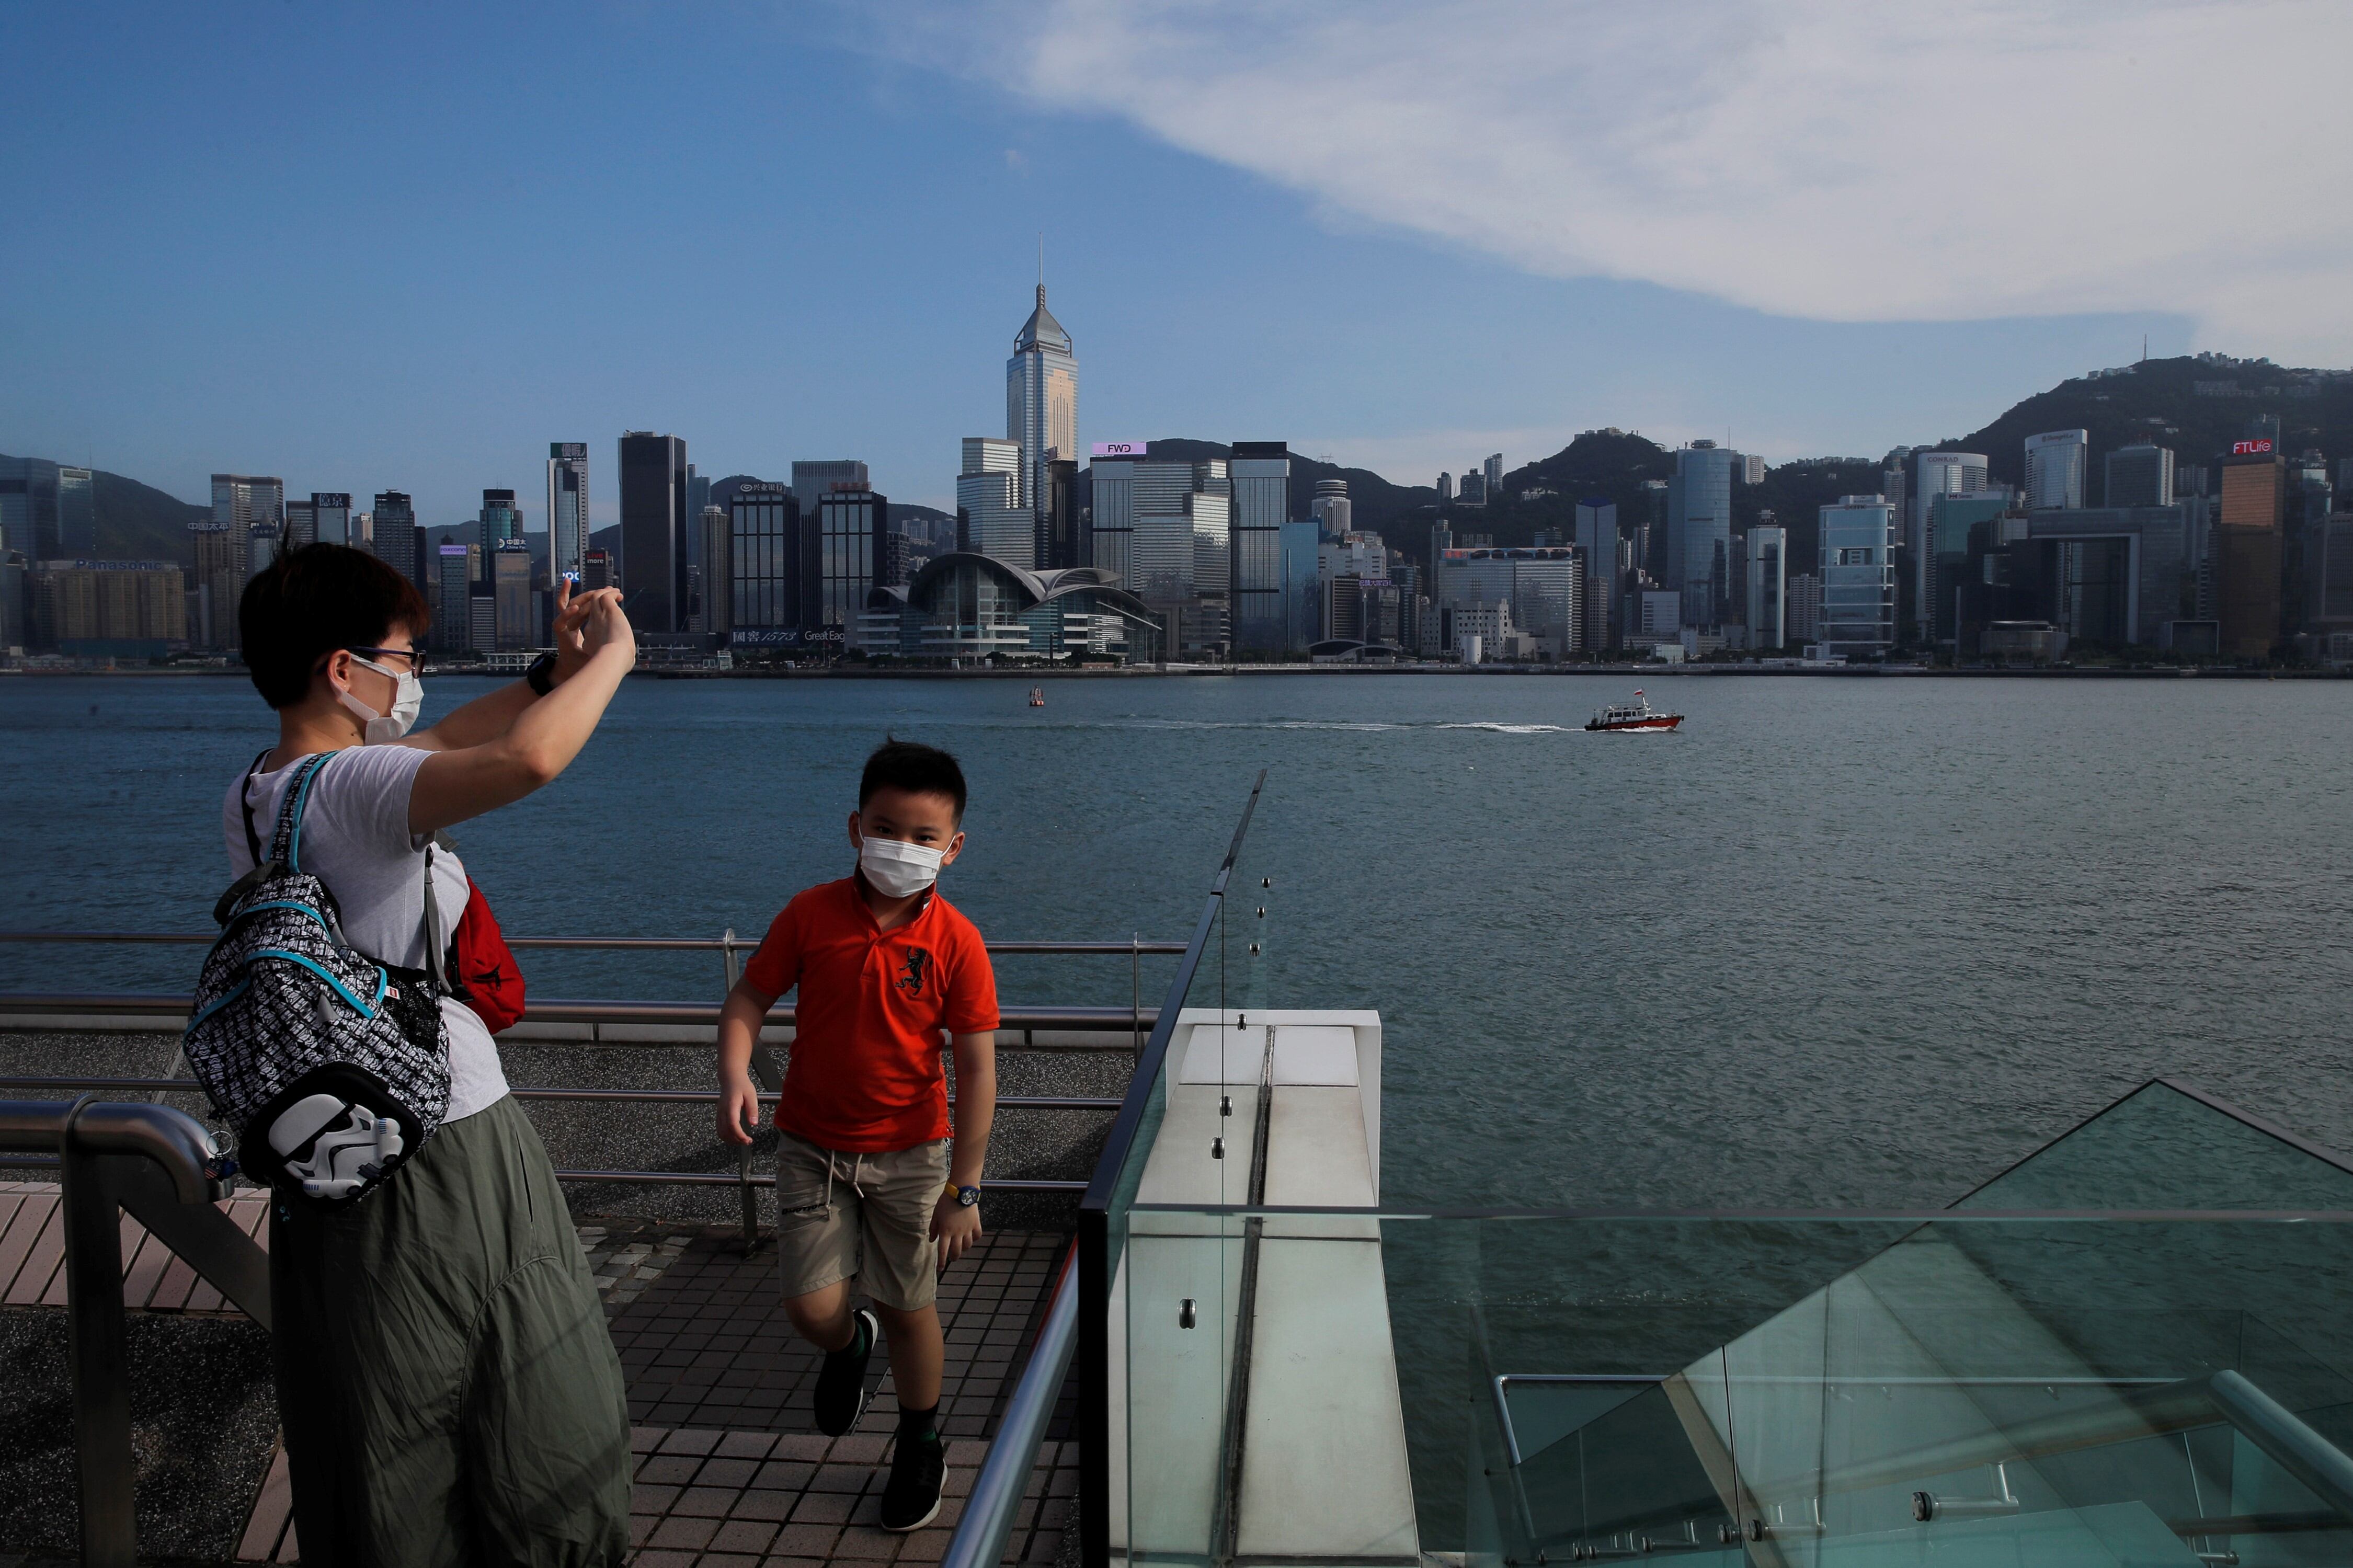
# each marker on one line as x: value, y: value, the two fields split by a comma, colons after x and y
x: 416, y: 657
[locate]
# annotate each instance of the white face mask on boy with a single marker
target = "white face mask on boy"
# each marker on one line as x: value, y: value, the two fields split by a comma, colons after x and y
x: 896, y: 868
x: 407, y: 701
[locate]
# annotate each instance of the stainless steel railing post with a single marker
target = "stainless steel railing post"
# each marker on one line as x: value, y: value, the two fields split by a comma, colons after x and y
x: 99, y: 1348
x: 750, y: 1195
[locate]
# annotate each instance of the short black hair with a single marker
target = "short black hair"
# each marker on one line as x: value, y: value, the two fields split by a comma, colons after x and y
x: 915, y: 767
x: 312, y: 601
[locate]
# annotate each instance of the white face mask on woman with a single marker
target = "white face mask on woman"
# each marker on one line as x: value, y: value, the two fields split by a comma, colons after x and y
x: 407, y: 701
x: 896, y: 868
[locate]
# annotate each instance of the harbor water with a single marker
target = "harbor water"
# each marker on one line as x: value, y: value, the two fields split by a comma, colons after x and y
x: 1835, y: 942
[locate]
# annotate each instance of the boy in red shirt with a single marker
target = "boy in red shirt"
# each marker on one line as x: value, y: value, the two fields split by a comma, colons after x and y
x: 866, y: 1186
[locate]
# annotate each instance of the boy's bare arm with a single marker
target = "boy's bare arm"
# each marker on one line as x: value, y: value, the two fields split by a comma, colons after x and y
x: 740, y: 1018
x: 954, y: 1226
x: 975, y: 1107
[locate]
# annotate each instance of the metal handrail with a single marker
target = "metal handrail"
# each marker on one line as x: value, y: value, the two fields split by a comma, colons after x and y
x: 616, y: 943
x: 996, y: 1499
x: 647, y: 1096
x: 578, y: 1010
x: 161, y: 1165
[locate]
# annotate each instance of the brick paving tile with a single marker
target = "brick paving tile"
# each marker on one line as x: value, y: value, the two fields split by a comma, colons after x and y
x: 840, y: 1478
x: 667, y: 1469
x: 737, y: 1473
x: 801, y: 1446
x: 967, y: 1453
x: 678, y: 1534
x: 865, y: 1543
x: 926, y: 1546
x: 750, y: 1536
x: 704, y: 1503
x: 1046, y: 1546
x: 642, y: 1526
x: 769, y: 1505
x: 858, y: 1450
x: 687, y: 1440
x: 808, y: 1540
x: 825, y: 1508
x: 1065, y: 1483
x: 1054, y: 1513
x: 645, y: 1439
x: 794, y: 1562
x: 663, y: 1560
x: 644, y: 1498
x: 727, y: 1560
x: 958, y: 1483
x: 784, y: 1475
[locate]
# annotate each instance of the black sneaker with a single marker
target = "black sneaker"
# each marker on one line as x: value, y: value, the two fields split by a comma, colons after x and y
x: 910, y: 1498
x: 841, y: 1382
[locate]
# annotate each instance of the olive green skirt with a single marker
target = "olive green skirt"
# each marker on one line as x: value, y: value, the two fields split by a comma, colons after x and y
x: 449, y: 1391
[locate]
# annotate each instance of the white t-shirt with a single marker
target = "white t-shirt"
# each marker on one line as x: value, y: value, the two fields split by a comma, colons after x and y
x: 355, y: 839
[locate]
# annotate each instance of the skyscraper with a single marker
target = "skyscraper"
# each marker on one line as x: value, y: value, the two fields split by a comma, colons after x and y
x: 653, y: 530
x: 1333, y: 512
x: 29, y: 519
x: 1767, y: 585
x: 241, y: 500
x: 1698, y: 531
x: 453, y: 630
x: 301, y: 524
x: 991, y: 518
x: 1041, y: 397
x: 218, y: 583
x: 764, y: 562
x: 2140, y: 474
x: 1492, y: 470
x: 716, y: 608
x: 331, y: 513
x: 1061, y: 528
x: 698, y: 496
x: 2056, y: 461
x: 500, y: 521
x: 1445, y: 487
x: 848, y: 542
x: 2247, y: 547
x: 514, y: 606
x: 399, y: 541
x: 567, y: 506
x: 812, y: 480
x: 1934, y: 474
x: 1596, y: 536
x: 1857, y: 577
x: 1260, y: 474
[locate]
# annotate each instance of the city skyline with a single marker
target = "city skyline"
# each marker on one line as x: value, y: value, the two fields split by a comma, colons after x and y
x: 452, y: 364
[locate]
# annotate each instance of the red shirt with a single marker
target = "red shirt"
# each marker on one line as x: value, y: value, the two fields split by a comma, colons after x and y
x: 865, y: 1075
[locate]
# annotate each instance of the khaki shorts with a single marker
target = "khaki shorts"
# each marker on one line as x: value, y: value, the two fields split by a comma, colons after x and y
x: 859, y: 1216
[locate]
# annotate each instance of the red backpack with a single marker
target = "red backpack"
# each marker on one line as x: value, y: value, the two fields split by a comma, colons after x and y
x: 483, y: 973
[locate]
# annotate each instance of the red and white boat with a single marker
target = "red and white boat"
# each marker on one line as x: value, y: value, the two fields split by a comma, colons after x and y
x: 1636, y: 715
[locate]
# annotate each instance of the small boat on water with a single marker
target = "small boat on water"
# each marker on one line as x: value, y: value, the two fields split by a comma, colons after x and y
x: 1636, y: 715
x: 1036, y: 697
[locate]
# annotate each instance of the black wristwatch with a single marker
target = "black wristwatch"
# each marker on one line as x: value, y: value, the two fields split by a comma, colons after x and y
x: 542, y: 674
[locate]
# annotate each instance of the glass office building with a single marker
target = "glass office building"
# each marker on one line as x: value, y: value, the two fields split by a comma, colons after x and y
x: 1768, y: 608
x: 763, y: 562
x: 654, y: 522
x: 840, y: 557
x: 567, y: 507
x: 1259, y: 474
x: 1858, y: 572
x: 1041, y: 399
x: 1699, y: 530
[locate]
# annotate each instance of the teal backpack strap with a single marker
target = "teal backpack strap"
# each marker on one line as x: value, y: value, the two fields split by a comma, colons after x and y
x: 286, y: 844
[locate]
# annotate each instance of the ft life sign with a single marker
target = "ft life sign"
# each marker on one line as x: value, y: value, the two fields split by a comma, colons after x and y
x: 2255, y: 448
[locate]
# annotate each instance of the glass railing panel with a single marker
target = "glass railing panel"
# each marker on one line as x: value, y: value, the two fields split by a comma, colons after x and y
x: 1179, y: 1303
x: 2159, y: 1148
x: 1959, y: 1386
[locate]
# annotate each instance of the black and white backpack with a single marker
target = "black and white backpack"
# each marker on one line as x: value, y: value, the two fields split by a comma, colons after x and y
x: 331, y: 1068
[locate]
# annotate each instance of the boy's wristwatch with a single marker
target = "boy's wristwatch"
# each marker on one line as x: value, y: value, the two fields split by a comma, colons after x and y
x: 965, y: 1196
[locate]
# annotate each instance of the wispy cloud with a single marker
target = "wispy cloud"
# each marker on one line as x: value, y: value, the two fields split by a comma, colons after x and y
x: 1837, y: 160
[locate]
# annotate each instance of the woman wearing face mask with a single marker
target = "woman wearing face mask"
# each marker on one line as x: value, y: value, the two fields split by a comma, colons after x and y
x: 445, y: 1381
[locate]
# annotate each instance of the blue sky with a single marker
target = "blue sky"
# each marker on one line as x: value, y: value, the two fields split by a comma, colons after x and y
x: 378, y: 247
